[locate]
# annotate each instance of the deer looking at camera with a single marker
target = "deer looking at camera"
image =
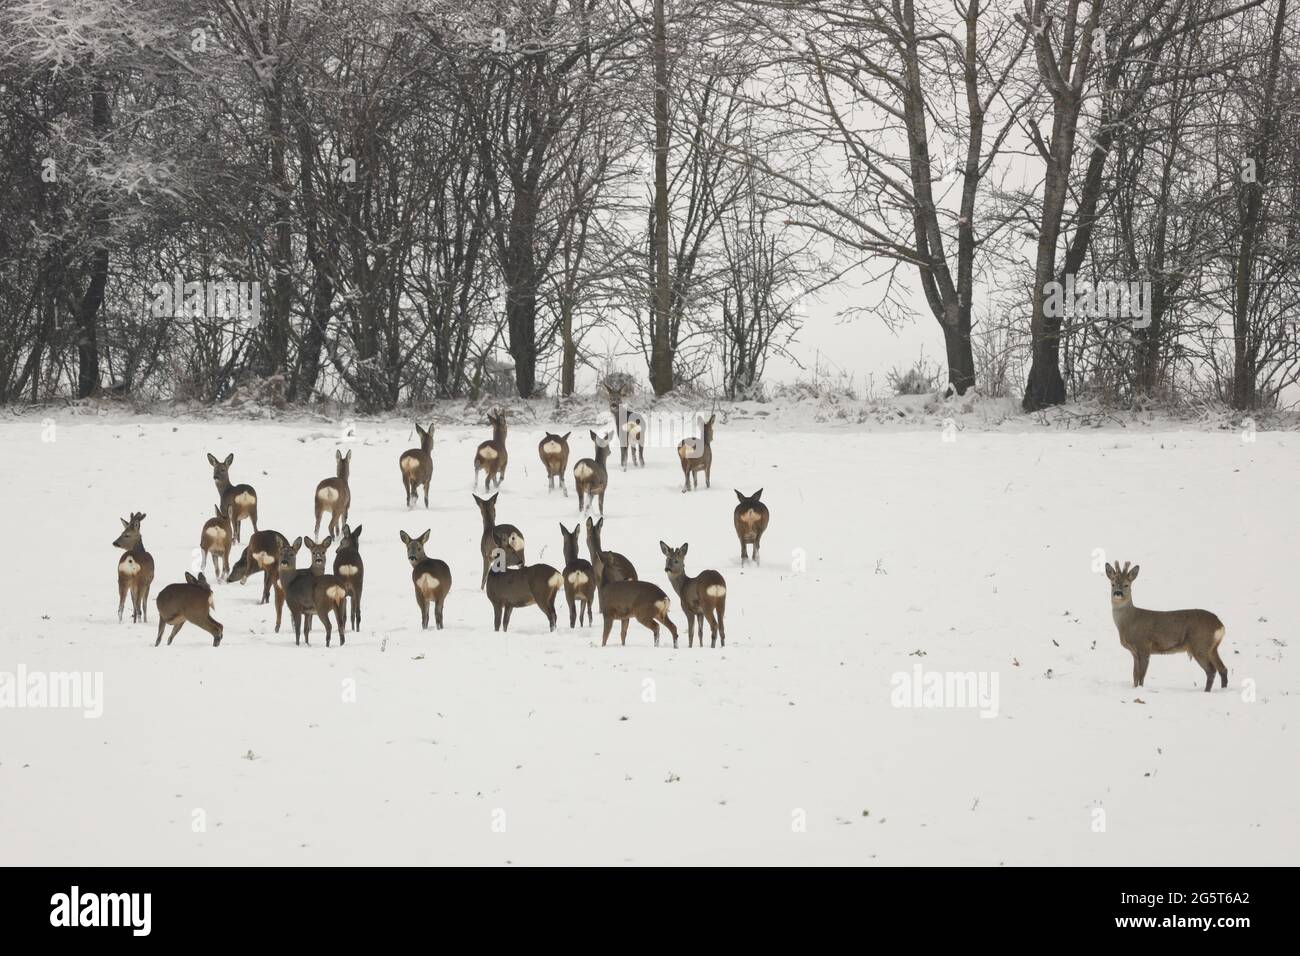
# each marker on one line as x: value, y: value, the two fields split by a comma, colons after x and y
x: 579, y: 578
x: 215, y: 540
x: 703, y: 596
x: 261, y: 554
x: 616, y: 567
x: 554, y: 452
x: 1144, y: 632
x: 417, y: 467
x: 192, y: 602
x: 629, y: 425
x: 351, y: 570
x: 504, y: 536
x: 509, y: 588
x: 750, y: 519
x: 134, y: 569
x: 237, y: 501
x: 590, y: 475
x: 624, y: 600
x: 313, y: 592
x: 491, y: 457
x: 334, y: 495
x: 431, y: 577
x: 696, y: 455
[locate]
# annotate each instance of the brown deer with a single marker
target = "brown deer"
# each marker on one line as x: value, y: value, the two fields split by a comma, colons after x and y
x: 215, y: 540
x: 238, y: 501
x: 431, y: 577
x: 417, y: 467
x: 590, y: 475
x: 554, y: 452
x: 617, y: 567
x: 579, y: 579
x: 509, y: 588
x: 696, y: 455
x: 192, y: 602
x: 134, y: 569
x: 505, y: 537
x: 287, y: 570
x: 703, y: 596
x: 1144, y: 632
x: 491, y: 455
x: 750, y: 519
x: 624, y: 600
x: 351, y: 570
x: 262, y: 554
x: 629, y: 424
x: 314, y: 593
x: 334, y: 495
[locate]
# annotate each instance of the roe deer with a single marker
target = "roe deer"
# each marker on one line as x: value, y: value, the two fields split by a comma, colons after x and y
x: 509, y: 588
x: 262, y: 554
x: 696, y: 455
x: 750, y: 519
x: 1144, y: 632
x: 314, y: 593
x: 491, y: 455
x: 579, y: 578
x: 215, y: 540
x: 703, y: 596
x: 630, y: 426
x: 431, y: 577
x: 349, y: 568
x: 334, y: 495
x: 191, y: 601
x: 617, y: 567
x: 134, y: 569
x: 554, y: 452
x: 287, y: 570
x: 590, y: 475
x: 624, y: 600
x: 505, y: 537
x: 417, y: 467
x: 238, y: 501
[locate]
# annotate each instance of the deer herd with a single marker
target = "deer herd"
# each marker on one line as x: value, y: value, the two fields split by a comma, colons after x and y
x: 605, y: 580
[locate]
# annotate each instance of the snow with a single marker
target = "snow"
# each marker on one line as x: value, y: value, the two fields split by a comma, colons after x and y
x: 463, y: 746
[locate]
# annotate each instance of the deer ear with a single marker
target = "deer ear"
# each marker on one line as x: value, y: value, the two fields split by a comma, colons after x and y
x: 1132, y: 575
x: 338, y: 455
x: 758, y: 494
x: 590, y: 524
x: 230, y: 459
x: 712, y: 419
x: 190, y: 578
x: 683, y: 549
x: 665, y: 549
x: 212, y: 460
x: 424, y: 537
x: 493, y: 499
x: 739, y: 496
x: 125, y: 523
x: 348, y: 456
x: 202, y: 579
x: 329, y: 538
x: 310, y: 542
x: 565, y: 436
x: 406, y: 538
x: 297, y: 543
x: 1110, y: 572
x: 593, y: 437
x: 355, y: 534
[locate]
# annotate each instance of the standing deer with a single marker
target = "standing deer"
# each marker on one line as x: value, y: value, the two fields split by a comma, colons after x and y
x: 262, y: 554
x: 617, y: 567
x: 703, y: 596
x: 491, y: 455
x: 554, y: 452
x: 417, y: 467
x: 215, y: 540
x: 624, y: 600
x: 351, y: 570
x: 134, y: 569
x: 238, y: 501
x: 431, y: 577
x: 579, y: 578
x: 630, y: 426
x: 192, y: 602
x: 509, y: 588
x: 334, y: 495
x: 505, y: 537
x: 697, y: 456
x: 591, y: 476
x: 750, y: 519
x: 1144, y: 632
x: 314, y: 593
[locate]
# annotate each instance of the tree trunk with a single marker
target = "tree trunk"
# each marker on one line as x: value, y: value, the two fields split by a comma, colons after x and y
x: 661, y: 355
x: 93, y: 300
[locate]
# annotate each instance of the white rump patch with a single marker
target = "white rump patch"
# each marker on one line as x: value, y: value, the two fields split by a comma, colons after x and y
x: 582, y: 470
x: 428, y: 582
x: 264, y: 559
x: 577, y: 578
x: 715, y: 590
x: 751, y: 517
x: 328, y: 494
x: 552, y: 448
x: 128, y: 566
x: 633, y: 429
x: 214, y: 534
x: 488, y: 454
x: 516, y: 541
x: 335, y: 593
x: 1218, y: 636
x: 348, y: 570
x: 245, y: 499
x: 555, y: 580
x: 410, y: 466
x: 662, y: 605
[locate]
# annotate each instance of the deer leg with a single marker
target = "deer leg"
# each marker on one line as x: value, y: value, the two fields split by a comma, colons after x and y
x: 306, y: 628
x: 253, y: 517
x: 121, y: 598
x: 356, y: 606
x: 571, y: 600
x: 549, y: 608
x: 609, y: 623
x: 1211, y: 671
x: 744, y: 552
x: 319, y: 510
x: 172, y: 636
x: 672, y: 628
x: 757, y: 541
x: 722, y: 624
x: 279, y: 608
x: 324, y: 616
x: 340, y: 615
x: 690, y: 630
x: 437, y: 609
x: 161, y: 624
x: 602, y: 502
x: 623, y: 634
x: 1140, y: 661
x: 203, y: 564
x: 622, y: 456
x: 423, y: 605
x: 496, y: 616
x: 1219, y: 665
x: 708, y: 476
x: 564, y: 486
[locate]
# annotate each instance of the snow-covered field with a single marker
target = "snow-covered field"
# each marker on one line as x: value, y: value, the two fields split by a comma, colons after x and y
x: 888, y: 550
